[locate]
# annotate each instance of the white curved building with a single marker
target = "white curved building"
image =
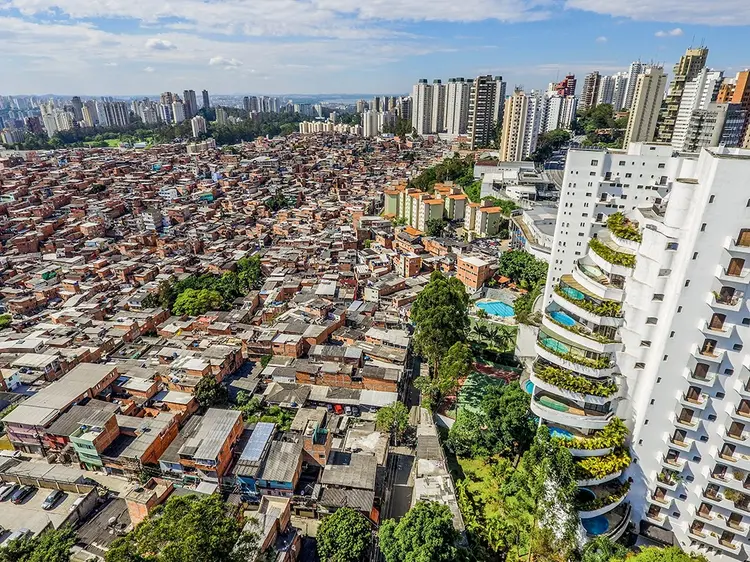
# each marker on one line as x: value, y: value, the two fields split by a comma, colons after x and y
x: 645, y: 319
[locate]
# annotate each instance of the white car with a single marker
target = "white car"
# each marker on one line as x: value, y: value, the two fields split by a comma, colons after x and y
x: 7, y: 490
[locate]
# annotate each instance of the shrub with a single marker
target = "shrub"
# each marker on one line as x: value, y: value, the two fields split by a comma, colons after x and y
x: 595, y: 468
x: 623, y: 228
x: 609, y: 499
x: 610, y: 255
x: 563, y: 378
x: 612, y: 436
x: 610, y: 309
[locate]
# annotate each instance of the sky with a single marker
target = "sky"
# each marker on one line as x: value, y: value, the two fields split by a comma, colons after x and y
x: 133, y: 47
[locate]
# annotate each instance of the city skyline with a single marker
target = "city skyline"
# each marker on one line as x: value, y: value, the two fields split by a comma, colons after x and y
x: 268, y: 48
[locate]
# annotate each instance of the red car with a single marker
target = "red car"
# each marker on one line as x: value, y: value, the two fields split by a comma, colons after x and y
x: 338, y: 409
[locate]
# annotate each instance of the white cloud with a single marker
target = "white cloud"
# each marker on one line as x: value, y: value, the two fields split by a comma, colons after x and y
x: 226, y: 63
x: 601, y: 39
x: 149, y: 69
x: 676, y: 32
x: 693, y: 12
x: 155, y: 44
x: 110, y: 64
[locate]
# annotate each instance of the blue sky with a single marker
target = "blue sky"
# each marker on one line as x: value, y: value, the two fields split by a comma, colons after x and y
x: 126, y: 47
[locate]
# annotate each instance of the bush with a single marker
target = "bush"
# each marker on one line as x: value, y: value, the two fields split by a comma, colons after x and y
x: 610, y: 255
x: 596, y: 468
x: 612, y: 436
x: 609, y: 499
x: 563, y: 378
x: 611, y: 309
x: 623, y: 228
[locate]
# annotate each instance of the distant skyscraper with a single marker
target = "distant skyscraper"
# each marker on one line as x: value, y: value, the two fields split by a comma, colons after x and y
x: 190, y: 103
x: 514, y: 127
x: 90, y: 116
x: 206, y: 100
x: 567, y: 87
x: 606, y: 90
x: 361, y: 106
x: 458, y: 92
x: 590, y: 91
x: 619, y: 90
x: 246, y: 104
x: 166, y: 98
x: 644, y: 112
x: 559, y: 111
x: 635, y: 69
x: 221, y: 115
x: 737, y: 92
x: 438, y: 106
x: 533, y: 123
x: 421, y: 111
x: 688, y: 67
x: 697, y: 94
x: 198, y: 124
x: 178, y: 112
x: 77, y: 108
x: 485, y: 110
x: 403, y: 107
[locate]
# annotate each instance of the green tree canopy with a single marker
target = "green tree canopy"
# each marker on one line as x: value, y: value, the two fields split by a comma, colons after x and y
x: 522, y: 268
x: 441, y: 316
x: 508, y: 418
x: 393, y: 419
x: 457, y: 169
x: 50, y: 546
x: 209, y: 392
x: 425, y: 533
x: 603, y: 549
x: 186, y: 528
x: 669, y: 554
x: 194, y: 302
x: 343, y: 536
x: 5, y: 320
x: 455, y: 365
x: 436, y: 227
x: 548, y: 143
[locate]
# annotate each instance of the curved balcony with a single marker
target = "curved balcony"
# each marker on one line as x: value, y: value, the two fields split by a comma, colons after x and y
x: 566, y: 412
x: 736, y: 460
x: 736, y: 479
x: 706, y: 380
x: 571, y: 295
x: 596, y: 481
x: 565, y: 353
x: 590, y: 276
x: 741, y: 506
x: 610, y: 257
x: 617, y: 522
x: 569, y: 327
x: 559, y: 382
x: 576, y: 441
x: 594, y: 501
x: 705, y: 354
x: 737, y: 438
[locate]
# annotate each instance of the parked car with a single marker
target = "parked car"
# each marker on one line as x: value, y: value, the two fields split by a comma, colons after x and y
x: 355, y: 411
x: 21, y: 494
x: 7, y: 490
x: 75, y: 504
x: 338, y: 409
x: 348, y: 410
x: 14, y: 536
x: 52, y: 499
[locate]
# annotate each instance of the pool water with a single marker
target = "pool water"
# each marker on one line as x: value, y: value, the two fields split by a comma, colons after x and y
x: 497, y: 308
x: 573, y: 293
x: 584, y: 495
x: 555, y: 345
x: 596, y: 525
x: 529, y: 387
x: 562, y: 318
x: 557, y: 432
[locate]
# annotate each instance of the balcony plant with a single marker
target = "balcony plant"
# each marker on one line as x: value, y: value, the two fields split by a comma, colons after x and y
x: 611, y: 436
x: 612, y: 256
x: 614, y: 496
x: 596, y: 468
x: 567, y: 380
x: 582, y: 331
x: 623, y: 228
x: 610, y: 309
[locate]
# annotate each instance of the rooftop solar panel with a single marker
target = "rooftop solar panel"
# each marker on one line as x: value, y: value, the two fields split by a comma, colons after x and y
x: 257, y: 443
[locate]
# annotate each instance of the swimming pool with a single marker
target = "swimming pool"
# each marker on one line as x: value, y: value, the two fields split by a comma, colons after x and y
x: 497, y: 308
x: 555, y: 345
x: 562, y: 433
x: 573, y: 293
x: 584, y: 495
x: 562, y: 318
x: 529, y: 387
x: 596, y: 525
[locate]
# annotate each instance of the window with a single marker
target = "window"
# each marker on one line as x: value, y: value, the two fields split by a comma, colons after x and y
x: 679, y: 309
x: 665, y: 358
x: 728, y: 371
x: 672, y: 246
x: 712, y: 417
x: 695, y: 255
x: 588, y: 195
x: 640, y: 365
x: 628, y: 175
x: 703, y: 227
x: 687, y: 283
x: 645, y: 343
x: 737, y: 347
x: 711, y: 199
x: 746, y: 321
x: 652, y: 320
x: 671, y: 334
x: 595, y: 162
x: 664, y: 272
x: 621, y: 163
x: 720, y: 395
x: 661, y: 166
x: 658, y: 297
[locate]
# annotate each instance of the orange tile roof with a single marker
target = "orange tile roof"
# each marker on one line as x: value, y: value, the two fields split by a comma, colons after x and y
x: 434, y: 201
x: 413, y: 231
x: 459, y: 196
x: 491, y: 210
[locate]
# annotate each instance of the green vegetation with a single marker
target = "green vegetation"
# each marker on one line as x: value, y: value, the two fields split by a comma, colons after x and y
x: 597, y: 503
x: 611, y: 436
x: 209, y: 393
x: 343, y: 536
x: 603, y: 549
x: 253, y: 412
x: 50, y: 546
x: 474, y: 191
x: 456, y: 169
x: 548, y: 143
x: 277, y: 202
x: 425, y: 533
x: 504, y: 424
x: 440, y: 314
x: 582, y: 331
x: 623, y: 228
x: 522, y: 268
x: 210, y: 292
x: 669, y: 554
x: 506, y: 205
x: 501, y: 338
x: 5, y: 320
x: 455, y: 365
x: 401, y: 128
x: 610, y: 255
x: 524, y: 305
x: 436, y: 227
x: 393, y: 419
x: 600, y: 127
x: 602, y: 362
x: 611, y: 309
x: 567, y: 380
x: 186, y: 528
x: 596, y: 468
x: 8, y: 410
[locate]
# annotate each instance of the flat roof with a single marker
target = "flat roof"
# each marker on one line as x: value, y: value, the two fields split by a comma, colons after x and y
x: 213, y: 432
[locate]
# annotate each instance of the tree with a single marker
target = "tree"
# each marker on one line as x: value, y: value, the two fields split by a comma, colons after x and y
x: 435, y: 227
x: 194, y: 302
x: 50, y: 546
x: 441, y: 316
x: 508, y: 418
x: 393, y: 419
x: 208, y: 392
x: 425, y: 533
x: 548, y: 143
x: 522, y: 268
x: 150, y: 301
x: 343, y: 536
x: 454, y: 366
x: 603, y: 549
x: 5, y: 320
x: 669, y: 554
x: 186, y: 528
